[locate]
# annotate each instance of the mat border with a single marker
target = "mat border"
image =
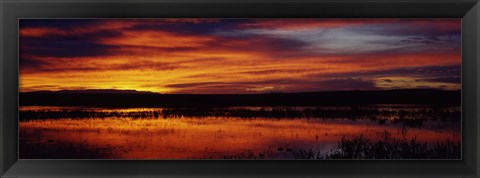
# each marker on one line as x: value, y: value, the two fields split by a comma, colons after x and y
x: 12, y: 10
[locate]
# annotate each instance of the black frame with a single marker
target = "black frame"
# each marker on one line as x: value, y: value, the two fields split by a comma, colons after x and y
x: 12, y: 10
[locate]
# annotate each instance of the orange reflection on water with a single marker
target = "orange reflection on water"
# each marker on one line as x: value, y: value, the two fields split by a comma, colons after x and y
x: 203, y: 137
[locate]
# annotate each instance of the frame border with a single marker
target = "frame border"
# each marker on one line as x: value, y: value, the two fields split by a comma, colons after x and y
x: 12, y: 10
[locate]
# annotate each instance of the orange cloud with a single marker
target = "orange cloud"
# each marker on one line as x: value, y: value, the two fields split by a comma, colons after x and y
x: 152, y: 38
x: 40, y: 31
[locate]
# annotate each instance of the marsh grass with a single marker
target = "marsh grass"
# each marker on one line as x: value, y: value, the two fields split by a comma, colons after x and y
x: 248, y: 154
x: 405, y: 116
x: 389, y: 147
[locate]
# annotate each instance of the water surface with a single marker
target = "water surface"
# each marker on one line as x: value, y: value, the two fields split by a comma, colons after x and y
x: 241, y: 132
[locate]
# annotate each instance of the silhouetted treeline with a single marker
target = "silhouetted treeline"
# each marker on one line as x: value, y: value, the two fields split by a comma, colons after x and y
x: 145, y: 99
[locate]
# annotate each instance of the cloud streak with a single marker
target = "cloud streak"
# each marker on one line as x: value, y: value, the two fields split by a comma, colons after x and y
x: 239, y: 55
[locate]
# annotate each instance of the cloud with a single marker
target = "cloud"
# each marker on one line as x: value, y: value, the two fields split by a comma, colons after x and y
x: 420, y: 27
x: 193, y: 85
x: 443, y: 80
x: 305, y: 24
x: 67, y: 45
x: 419, y: 71
x: 347, y: 84
x: 239, y: 55
x: 40, y: 31
x: 31, y: 63
x: 360, y: 36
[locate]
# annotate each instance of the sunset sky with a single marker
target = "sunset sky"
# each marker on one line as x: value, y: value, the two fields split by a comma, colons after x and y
x: 217, y: 56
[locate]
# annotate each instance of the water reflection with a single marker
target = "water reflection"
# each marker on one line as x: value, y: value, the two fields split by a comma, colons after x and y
x: 241, y: 132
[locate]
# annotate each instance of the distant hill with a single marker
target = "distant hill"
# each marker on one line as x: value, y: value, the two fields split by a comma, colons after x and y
x: 132, y: 98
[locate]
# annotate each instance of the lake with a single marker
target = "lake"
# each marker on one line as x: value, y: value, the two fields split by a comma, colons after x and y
x: 327, y: 132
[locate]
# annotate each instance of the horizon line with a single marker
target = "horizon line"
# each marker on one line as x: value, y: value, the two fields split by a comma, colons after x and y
x: 127, y: 91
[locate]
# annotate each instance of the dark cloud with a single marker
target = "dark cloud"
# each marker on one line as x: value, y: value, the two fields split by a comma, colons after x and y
x: 30, y: 63
x: 273, y: 46
x: 244, y: 83
x: 63, y: 69
x: 186, y: 27
x: 281, y: 85
x: 409, y: 27
x: 271, y: 71
x: 282, y: 44
x: 80, y: 45
x: 432, y: 42
x: 70, y: 49
x: 60, y: 23
x: 193, y: 85
x: 424, y: 71
x: 157, y: 66
x: 46, y: 86
x: 224, y: 88
x: 346, y: 84
x: 443, y: 80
